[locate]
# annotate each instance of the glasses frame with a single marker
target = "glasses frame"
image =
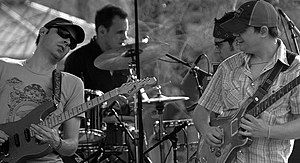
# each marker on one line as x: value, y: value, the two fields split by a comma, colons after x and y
x: 218, y: 44
x: 65, y: 34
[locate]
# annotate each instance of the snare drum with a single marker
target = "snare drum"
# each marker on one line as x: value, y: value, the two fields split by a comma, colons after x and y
x: 89, y: 141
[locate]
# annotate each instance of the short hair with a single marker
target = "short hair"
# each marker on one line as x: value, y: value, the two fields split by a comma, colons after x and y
x: 106, y: 15
x: 274, y: 32
x: 38, y: 38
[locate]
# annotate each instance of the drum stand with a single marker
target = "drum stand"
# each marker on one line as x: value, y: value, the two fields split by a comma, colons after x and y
x: 160, y: 107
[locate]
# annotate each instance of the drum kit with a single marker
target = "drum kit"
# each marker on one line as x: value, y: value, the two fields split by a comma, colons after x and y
x: 114, y: 138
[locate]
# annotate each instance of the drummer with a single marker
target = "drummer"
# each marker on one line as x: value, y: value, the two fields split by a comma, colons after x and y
x: 111, y: 32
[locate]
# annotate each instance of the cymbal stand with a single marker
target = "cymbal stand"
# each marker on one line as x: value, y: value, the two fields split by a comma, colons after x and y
x: 137, y: 97
x: 160, y: 107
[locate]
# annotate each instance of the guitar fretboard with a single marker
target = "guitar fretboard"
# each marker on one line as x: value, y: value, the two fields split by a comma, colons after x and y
x: 56, y: 120
x: 262, y: 106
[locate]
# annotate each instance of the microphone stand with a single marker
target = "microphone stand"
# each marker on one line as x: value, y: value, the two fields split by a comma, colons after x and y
x: 194, y: 69
x: 292, y: 28
x: 173, y: 138
x: 139, y: 119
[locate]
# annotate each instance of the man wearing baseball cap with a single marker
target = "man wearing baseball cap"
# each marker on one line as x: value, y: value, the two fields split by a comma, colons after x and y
x: 255, y: 25
x: 28, y: 84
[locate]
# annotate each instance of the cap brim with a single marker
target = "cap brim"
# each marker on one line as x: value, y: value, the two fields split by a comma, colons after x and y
x: 76, y: 31
x: 234, y: 26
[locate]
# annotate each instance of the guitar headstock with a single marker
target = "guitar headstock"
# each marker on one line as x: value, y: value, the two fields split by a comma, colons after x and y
x: 131, y: 88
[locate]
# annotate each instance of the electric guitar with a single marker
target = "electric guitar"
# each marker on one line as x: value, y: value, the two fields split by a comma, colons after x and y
x: 22, y: 144
x: 232, y: 141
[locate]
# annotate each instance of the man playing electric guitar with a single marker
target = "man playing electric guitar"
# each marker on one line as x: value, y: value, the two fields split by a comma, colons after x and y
x: 255, y: 25
x: 27, y: 84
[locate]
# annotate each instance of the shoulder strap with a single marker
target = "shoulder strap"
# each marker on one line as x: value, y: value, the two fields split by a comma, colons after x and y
x: 265, y: 86
x: 56, y: 82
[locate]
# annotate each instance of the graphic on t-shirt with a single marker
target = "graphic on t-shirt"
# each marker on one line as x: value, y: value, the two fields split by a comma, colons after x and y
x: 22, y: 99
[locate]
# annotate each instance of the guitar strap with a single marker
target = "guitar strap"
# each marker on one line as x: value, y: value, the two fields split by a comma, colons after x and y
x: 56, y: 82
x: 273, y: 74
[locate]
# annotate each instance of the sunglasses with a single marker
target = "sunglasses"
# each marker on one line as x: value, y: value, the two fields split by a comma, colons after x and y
x: 219, y: 44
x: 65, y: 34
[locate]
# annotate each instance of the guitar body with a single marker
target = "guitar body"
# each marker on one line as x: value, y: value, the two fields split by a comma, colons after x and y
x: 20, y: 146
x: 233, y: 142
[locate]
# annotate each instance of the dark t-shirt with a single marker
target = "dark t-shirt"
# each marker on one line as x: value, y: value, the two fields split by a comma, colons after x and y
x: 81, y: 63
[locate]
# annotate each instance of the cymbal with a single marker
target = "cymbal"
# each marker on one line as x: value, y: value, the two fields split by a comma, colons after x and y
x: 163, y: 98
x: 120, y: 58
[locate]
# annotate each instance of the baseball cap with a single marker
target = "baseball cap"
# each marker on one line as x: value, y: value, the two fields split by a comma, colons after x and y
x: 75, y: 30
x: 252, y: 13
x: 218, y: 31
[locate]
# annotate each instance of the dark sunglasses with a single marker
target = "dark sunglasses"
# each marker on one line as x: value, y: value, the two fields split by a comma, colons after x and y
x: 220, y: 43
x: 65, y: 34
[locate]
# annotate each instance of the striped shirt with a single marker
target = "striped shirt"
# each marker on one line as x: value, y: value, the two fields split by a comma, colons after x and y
x: 233, y: 83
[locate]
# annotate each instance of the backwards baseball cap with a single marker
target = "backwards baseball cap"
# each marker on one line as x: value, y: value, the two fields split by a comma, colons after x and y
x: 218, y: 31
x: 76, y: 31
x: 253, y: 13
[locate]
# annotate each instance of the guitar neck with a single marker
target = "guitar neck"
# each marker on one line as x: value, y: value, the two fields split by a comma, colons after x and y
x: 53, y: 121
x: 262, y: 106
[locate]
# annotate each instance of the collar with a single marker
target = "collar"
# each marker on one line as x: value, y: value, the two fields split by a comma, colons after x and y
x: 280, y: 55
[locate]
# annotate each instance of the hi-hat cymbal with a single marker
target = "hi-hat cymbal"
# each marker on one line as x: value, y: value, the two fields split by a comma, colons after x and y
x: 120, y: 58
x: 163, y: 98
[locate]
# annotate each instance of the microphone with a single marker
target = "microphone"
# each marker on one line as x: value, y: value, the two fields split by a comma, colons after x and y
x: 198, y: 70
x: 289, y: 21
x: 193, y: 66
x: 175, y: 131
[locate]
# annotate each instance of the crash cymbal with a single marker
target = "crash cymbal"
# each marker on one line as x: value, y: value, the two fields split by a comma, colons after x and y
x: 163, y: 98
x: 120, y: 58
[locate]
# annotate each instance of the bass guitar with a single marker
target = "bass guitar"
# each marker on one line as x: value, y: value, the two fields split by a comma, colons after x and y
x: 232, y: 141
x: 22, y: 144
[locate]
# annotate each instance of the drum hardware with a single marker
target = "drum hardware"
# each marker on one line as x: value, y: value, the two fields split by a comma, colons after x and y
x: 159, y: 102
x: 187, y: 142
x: 173, y: 138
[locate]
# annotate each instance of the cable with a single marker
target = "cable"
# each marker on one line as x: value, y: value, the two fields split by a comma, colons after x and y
x: 186, y: 143
x: 168, y: 154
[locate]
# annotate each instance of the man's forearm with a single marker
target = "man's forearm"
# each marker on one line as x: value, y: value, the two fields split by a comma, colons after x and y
x: 201, y: 118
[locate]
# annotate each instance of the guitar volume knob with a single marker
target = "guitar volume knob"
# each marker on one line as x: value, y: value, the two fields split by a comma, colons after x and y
x: 218, y: 153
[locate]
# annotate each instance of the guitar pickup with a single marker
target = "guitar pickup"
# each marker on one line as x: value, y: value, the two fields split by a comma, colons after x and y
x: 17, y: 140
x: 27, y: 135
